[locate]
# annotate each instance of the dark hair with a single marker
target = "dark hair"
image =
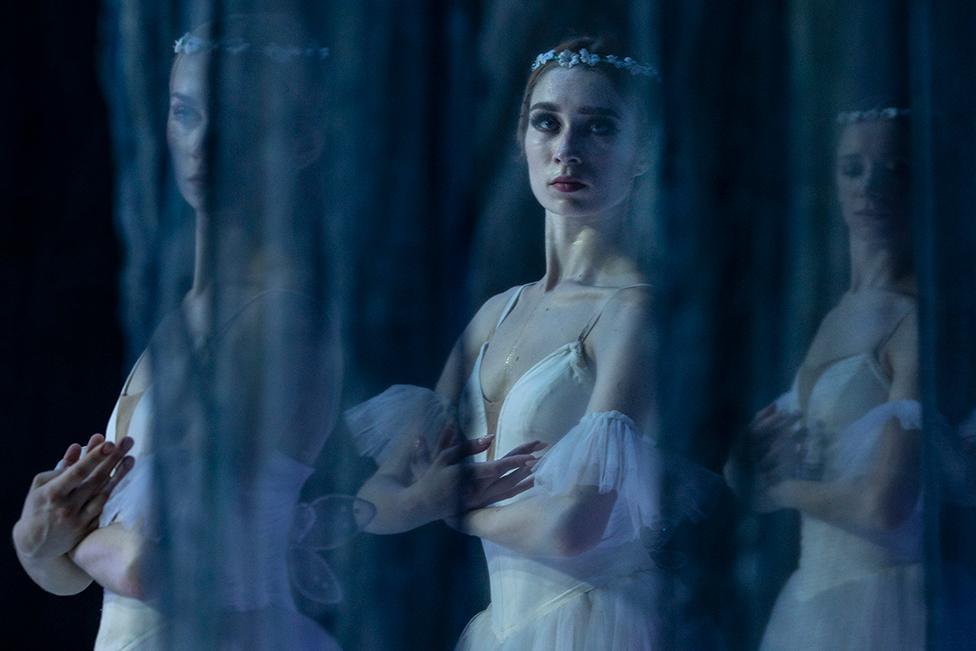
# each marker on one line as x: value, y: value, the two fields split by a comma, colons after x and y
x: 640, y: 89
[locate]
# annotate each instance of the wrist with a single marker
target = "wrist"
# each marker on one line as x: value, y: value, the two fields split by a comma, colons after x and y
x: 23, y: 545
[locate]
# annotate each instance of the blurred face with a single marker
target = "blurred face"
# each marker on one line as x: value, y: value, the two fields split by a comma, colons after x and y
x: 255, y: 145
x: 873, y: 178
x: 187, y: 128
x: 581, y: 143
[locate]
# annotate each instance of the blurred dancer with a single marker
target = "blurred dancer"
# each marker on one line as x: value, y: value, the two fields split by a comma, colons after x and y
x: 843, y: 446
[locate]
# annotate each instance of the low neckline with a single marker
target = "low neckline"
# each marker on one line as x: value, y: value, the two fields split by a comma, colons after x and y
x: 542, y: 360
x: 822, y: 370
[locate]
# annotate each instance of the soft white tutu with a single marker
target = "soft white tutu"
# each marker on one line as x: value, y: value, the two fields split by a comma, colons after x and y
x: 623, y: 615
x: 862, y: 590
x: 882, y: 610
x: 607, y: 598
x: 254, y: 590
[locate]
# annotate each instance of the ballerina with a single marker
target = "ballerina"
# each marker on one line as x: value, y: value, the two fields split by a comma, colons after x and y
x: 251, y: 310
x: 842, y: 447
x: 563, y: 365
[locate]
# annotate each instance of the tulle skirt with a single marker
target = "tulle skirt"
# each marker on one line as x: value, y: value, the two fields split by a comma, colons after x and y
x: 883, y: 610
x: 616, y: 617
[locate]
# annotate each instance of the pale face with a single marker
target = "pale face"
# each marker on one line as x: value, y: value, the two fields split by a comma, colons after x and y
x: 581, y: 144
x: 254, y: 146
x: 186, y: 129
x: 873, y: 178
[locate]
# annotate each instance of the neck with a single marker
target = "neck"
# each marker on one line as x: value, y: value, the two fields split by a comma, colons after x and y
x: 875, y: 265
x: 203, y: 267
x: 586, y: 250
x: 225, y: 260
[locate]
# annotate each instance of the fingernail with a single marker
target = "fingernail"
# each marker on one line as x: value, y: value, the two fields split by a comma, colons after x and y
x: 126, y: 443
x: 108, y: 447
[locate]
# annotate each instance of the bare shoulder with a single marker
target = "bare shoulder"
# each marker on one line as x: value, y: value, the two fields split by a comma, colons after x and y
x: 487, y: 316
x: 625, y: 322
x: 901, y: 348
x: 627, y: 309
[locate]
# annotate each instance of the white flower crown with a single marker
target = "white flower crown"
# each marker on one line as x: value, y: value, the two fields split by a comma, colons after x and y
x: 190, y: 44
x: 872, y: 115
x: 568, y: 59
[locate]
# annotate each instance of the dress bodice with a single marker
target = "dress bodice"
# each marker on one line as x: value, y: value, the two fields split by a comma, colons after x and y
x: 256, y: 518
x: 608, y: 596
x: 845, y: 407
x: 544, y: 403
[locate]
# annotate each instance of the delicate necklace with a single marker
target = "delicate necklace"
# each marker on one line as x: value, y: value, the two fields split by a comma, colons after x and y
x: 512, y: 357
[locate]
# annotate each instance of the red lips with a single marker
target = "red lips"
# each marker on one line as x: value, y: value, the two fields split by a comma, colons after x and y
x: 567, y: 184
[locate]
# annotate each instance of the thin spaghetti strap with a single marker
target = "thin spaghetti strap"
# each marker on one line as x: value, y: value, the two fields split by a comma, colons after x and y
x: 509, y: 306
x: 596, y: 317
x: 891, y: 333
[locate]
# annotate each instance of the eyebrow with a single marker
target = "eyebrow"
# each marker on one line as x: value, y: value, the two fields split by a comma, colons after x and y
x: 585, y: 110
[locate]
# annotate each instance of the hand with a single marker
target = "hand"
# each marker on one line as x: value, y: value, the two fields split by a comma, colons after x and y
x: 448, y: 485
x: 63, y: 505
x: 776, y: 451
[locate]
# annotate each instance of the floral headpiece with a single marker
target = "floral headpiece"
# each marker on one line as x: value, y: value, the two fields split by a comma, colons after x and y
x: 872, y: 115
x: 568, y: 59
x: 190, y: 44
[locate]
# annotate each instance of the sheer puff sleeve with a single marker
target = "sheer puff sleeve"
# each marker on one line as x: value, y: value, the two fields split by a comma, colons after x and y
x: 655, y: 489
x: 403, y: 410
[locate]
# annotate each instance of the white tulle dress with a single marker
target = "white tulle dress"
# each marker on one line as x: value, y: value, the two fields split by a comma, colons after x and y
x: 857, y: 591
x: 254, y: 568
x: 608, y: 598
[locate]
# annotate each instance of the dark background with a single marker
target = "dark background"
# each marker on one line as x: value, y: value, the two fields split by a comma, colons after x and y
x: 755, y: 254
x: 60, y: 259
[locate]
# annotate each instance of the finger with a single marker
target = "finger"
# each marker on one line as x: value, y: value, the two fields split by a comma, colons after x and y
x: 448, y: 437
x: 490, y: 469
x: 763, y: 413
x: 463, y: 449
x: 92, y: 509
x: 775, y: 425
x: 120, y: 472
x: 527, y: 448
x: 97, y: 480
x: 95, y: 440
x: 101, y: 460
x: 512, y: 491
x: 42, y: 478
x: 502, y: 485
x: 72, y: 454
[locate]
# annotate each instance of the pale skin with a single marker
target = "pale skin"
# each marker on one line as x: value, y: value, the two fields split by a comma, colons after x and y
x: 62, y: 507
x: 871, y: 174
x: 113, y: 555
x: 583, y: 131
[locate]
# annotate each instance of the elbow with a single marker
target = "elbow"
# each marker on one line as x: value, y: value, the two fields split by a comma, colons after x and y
x: 66, y: 589
x: 888, y: 510
x: 582, y: 526
x: 131, y: 581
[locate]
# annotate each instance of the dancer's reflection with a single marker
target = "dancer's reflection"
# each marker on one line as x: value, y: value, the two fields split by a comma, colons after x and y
x: 563, y: 363
x: 254, y: 318
x: 843, y: 447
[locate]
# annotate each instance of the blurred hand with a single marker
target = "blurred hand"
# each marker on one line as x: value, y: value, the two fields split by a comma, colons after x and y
x: 63, y: 505
x: 776, y: 452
